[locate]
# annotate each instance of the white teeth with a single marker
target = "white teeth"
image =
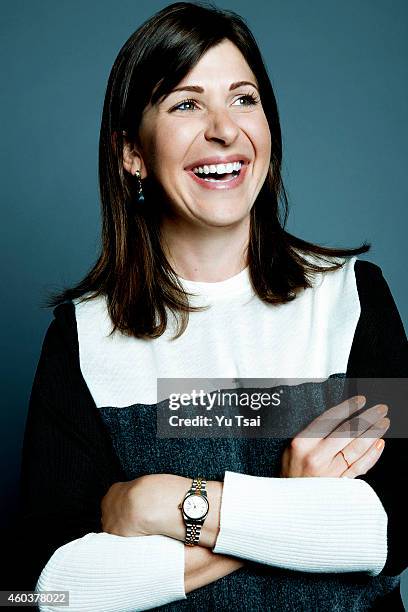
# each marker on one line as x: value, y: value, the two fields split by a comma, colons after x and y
x: 218, y: 168
x: 213, y: 180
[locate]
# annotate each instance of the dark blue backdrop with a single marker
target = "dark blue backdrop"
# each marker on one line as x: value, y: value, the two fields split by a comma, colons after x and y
x: 340, y: 74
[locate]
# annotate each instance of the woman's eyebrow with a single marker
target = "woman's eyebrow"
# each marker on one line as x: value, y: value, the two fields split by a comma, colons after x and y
x: 199, y: 89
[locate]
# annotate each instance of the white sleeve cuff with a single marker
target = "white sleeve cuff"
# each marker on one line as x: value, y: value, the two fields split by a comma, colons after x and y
x: 304, y: 524
x: 106, y: 572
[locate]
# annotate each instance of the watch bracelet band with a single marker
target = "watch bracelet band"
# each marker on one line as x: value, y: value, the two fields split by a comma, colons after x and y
x: 193, y: 530
x: 198, y: 484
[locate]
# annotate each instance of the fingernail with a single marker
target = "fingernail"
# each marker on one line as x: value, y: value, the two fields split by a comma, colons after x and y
x: 358, y: 400
x: 382, y: 409
x: 384, y: 422
x: 379, y: 445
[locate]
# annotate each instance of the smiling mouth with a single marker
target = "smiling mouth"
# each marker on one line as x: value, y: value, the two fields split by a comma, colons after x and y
x: 226, y: 180
x: 215, y: 177
x: 218, y: 173
x: 228, y: 175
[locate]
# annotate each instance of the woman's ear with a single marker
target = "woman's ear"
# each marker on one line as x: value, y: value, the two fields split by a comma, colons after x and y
x: 132, y: 159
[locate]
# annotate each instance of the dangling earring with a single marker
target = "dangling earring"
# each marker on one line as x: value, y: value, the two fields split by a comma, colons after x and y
x: 140, y: 190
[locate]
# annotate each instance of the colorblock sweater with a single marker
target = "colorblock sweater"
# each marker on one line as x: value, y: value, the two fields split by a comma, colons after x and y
x: 335, y: 544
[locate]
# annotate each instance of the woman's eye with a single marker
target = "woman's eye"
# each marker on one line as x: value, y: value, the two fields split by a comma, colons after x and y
x: 250, y: 98
x: 183, y: 103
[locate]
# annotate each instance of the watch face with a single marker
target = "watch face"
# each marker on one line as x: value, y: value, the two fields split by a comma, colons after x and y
x: 195, y: 506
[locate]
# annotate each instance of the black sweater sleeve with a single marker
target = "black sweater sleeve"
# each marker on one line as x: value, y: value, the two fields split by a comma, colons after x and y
x: 68, y: 461
x: 380, y: 350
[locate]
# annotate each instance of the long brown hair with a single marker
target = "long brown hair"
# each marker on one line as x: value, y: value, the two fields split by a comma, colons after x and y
x: 132, y: 271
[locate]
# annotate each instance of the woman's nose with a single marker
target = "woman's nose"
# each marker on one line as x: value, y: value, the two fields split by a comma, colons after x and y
x: 221, y: 126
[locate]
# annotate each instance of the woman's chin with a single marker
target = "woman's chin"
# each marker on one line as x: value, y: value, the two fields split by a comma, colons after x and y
x: 222, y: 218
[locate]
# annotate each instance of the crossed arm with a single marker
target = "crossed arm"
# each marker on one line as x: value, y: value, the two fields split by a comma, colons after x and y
x: 297, y: 523
x: 148, y: 506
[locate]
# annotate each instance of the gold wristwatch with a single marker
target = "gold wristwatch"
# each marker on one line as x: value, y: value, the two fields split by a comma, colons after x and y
x: 194, y: 508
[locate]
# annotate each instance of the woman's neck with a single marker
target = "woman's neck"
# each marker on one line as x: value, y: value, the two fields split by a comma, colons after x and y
x: 212, y: 254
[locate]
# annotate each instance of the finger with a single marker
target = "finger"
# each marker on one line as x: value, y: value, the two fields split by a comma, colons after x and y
x: 366, y: 462
x: 324, y: 424
x: 351, y: 430
x: 359, y: 446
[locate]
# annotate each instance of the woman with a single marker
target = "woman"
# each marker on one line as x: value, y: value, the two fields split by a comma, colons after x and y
x: 198, y: 278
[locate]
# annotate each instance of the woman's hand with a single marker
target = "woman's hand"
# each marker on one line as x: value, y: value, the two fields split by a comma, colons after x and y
x: 317, y: 449
x: 120, y: 514
x: 139, y: 507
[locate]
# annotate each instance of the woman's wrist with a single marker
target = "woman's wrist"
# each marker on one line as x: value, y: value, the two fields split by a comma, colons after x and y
x: 165, y: 518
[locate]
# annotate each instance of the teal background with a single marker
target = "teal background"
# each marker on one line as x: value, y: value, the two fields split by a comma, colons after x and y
x: 339, y: 70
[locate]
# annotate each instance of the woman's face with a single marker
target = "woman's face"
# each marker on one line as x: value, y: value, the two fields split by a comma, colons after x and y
x: 222, y: 122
